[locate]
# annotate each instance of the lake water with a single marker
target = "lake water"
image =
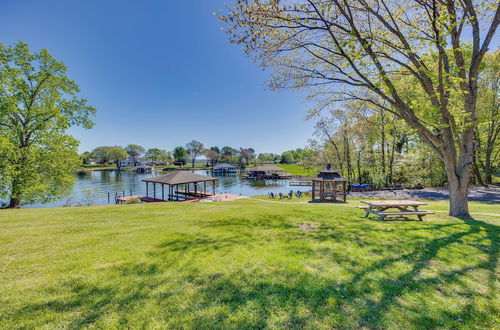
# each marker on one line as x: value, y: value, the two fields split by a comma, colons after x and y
x: 92, y: 188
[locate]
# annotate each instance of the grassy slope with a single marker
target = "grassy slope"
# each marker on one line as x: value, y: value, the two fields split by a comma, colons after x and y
x: 299, y: 170
x: 295, y: 169
x: 244, y: 264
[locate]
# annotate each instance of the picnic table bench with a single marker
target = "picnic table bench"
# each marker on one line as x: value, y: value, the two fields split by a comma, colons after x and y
x: 379, y: 208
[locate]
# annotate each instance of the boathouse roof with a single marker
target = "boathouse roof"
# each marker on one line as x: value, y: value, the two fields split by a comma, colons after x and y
x: 224, y: 165
x: 180, y: 177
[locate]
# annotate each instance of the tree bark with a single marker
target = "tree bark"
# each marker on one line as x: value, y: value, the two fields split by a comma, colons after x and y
x: 347, y: 156
x: 15, y: 195
x: 459, y: 206
x: 382, y: 147
x: 458, y: 187
x: 477, y: 173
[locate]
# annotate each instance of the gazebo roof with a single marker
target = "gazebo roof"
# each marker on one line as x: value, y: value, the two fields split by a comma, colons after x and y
x: 179, y: 177
x: 224, y: 166
x: 329, y: 174
x: 265, y: 168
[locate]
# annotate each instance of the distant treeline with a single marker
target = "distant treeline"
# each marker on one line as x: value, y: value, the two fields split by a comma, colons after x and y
x: 182, y: 155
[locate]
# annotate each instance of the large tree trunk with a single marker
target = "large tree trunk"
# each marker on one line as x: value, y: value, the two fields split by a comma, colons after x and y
x: 459, y: 206
x: 488, y: 171
x: 15, y: 195
x: 15, y: 203
x: 477, y: 173
x: 347, y: 157
x: 458, y: 174
x: 382, y: 147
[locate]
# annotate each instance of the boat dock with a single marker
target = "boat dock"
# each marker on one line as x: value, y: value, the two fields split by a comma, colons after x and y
x: 194, y: 193
x: 300, y: 183
x: 125, y: 199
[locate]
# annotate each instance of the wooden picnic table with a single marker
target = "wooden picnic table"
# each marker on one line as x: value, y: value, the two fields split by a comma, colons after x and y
x: 380, y: 208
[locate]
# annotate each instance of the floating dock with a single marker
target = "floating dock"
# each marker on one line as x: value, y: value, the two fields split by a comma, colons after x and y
x: 300, y: 183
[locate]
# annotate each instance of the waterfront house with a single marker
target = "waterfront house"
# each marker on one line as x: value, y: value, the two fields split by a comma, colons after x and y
x: 129, y: 161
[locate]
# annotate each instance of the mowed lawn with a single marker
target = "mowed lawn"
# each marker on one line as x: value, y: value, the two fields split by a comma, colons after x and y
x: 245, y: 264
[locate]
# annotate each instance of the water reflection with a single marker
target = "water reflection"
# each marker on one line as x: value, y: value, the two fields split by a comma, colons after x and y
x: 96, y: 187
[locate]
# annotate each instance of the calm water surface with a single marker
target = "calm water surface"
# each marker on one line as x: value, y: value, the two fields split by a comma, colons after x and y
x: 92, y: 188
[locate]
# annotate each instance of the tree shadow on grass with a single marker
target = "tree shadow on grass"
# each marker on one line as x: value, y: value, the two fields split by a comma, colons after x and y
x: 285, y: 298
x: 372, y: 299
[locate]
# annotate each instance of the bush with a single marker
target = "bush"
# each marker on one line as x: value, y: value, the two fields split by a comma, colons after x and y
x: 133, y: 200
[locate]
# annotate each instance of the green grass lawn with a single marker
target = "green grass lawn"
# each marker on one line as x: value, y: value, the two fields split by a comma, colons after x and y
x: 246, y: 263
x: 299, y: 170
x: 295, y: 169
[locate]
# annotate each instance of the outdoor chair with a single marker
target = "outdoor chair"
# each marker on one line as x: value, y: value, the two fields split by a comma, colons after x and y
x: 283, y: 195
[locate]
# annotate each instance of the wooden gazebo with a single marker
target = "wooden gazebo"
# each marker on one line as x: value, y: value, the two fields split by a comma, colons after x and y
x: 329, y: 186
x: 181, y: 185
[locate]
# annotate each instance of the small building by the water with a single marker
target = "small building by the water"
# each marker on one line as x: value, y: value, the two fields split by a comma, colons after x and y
x: 143, y: 169
x: 267, y: 172
x: 181, y: 185
x: 329, y: 186
x: 224, y: 168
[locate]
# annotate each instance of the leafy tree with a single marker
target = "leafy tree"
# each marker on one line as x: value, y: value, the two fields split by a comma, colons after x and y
x: 165, y: 156
x: 216, y: 149
x: 153, y: 154
x: 101, y: 154
x: 180, y: 155
x: 487, y: 130
x: 246, y: 155
x: 117, y: 154
x: 135, y: 152
x: 265, y: 157
x: 86, y: 157
x: 212, y: 156
x: 287, y: 157
x: 228, y: 151
x: 364, y: 45
x: 194, y: 149
x: 38, y: 103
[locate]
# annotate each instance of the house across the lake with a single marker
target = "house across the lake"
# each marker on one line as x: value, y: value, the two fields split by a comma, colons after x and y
x: 130, y: 162
x: 224, y: 168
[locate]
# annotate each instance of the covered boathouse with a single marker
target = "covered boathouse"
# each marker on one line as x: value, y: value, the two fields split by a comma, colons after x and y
x: 266, y: 172
x: 181, y: 185
x: 224, y: 168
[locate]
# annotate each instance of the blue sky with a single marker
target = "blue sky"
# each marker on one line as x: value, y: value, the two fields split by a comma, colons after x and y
x: 160, y: 73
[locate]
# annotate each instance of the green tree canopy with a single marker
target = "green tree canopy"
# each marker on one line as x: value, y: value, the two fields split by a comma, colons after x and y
x: 287, y: 157
x: 38, y: 103
x: 117, y: 154
x: 153, y: 154
x: 194, y: 149
x: 86, y: 157
x: 101, y: 154
x: 165, y: 156
x: 180, y: 155
x: 352, y: 50
x: 135, y: 151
